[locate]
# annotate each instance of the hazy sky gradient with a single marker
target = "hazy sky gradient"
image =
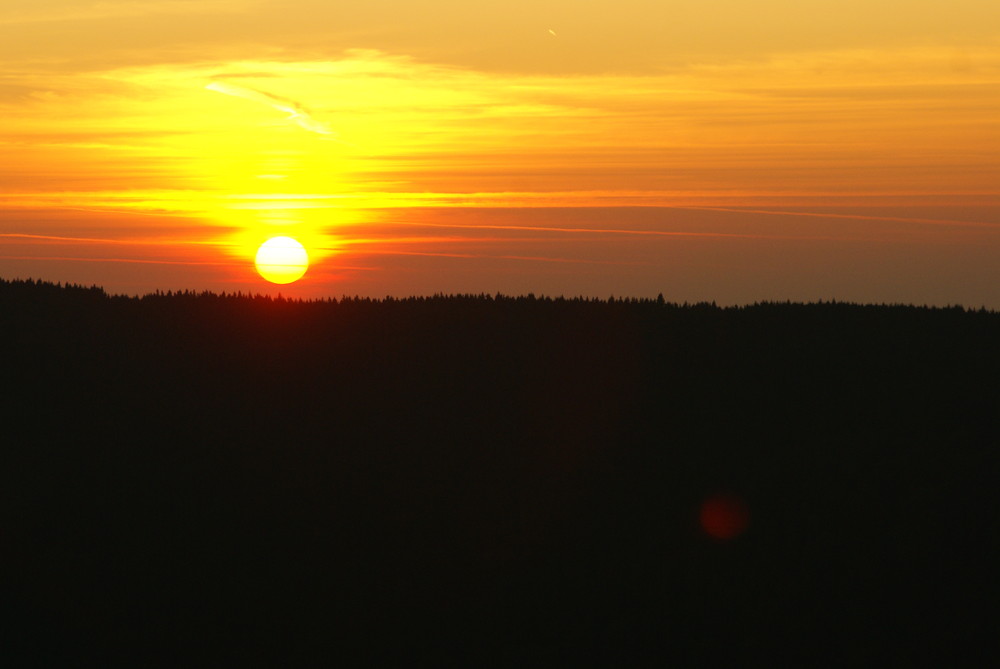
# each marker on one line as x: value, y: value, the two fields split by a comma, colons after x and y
x: 708, y: 150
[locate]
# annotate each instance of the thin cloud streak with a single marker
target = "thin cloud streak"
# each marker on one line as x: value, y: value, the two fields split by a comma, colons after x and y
x: 859, y: 217
x: 96, y: 240
x: 296, y: 112
x: 486, y: 256
x: 616, y: 231
x: 124, y: 260
x: 56, y: 238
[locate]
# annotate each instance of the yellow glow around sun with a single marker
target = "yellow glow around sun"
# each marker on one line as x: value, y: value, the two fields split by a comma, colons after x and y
x: 282, y: 260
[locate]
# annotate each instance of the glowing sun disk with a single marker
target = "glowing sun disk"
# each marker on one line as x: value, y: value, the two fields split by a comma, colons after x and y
x: 281, y: 260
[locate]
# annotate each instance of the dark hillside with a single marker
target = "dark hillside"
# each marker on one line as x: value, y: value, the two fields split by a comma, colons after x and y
x: 200, y: 479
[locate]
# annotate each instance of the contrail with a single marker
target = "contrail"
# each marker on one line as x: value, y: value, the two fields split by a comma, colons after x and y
x: 295, y: 111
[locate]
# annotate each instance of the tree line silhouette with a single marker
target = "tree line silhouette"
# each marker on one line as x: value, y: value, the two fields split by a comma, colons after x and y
x: 245, y: 478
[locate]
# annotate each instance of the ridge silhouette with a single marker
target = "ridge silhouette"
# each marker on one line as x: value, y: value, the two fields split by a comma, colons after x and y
x: 193, y: 477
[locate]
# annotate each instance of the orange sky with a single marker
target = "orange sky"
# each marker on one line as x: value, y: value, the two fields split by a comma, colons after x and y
x: 725, y: 150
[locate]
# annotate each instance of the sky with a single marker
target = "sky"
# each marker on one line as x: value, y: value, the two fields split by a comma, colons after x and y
x: 708, y: 150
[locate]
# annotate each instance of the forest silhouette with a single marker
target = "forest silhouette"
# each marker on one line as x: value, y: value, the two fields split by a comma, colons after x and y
x: 192, y: 478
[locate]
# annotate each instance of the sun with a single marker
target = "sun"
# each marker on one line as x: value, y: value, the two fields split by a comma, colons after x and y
x: 282, y: 260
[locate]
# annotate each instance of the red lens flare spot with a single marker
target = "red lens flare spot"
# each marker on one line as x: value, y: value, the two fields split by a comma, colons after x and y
x: 724, y: 517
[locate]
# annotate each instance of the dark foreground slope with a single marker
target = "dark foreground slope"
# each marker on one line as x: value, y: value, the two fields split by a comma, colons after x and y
x: 192, y: 480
